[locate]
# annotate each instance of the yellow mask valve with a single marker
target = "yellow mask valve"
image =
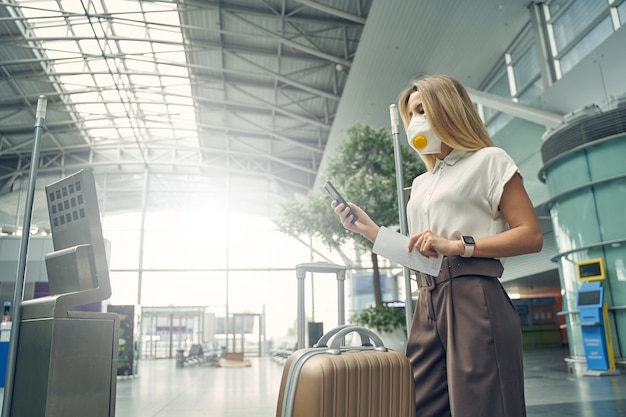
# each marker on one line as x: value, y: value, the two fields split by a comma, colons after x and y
x: 420, y: 142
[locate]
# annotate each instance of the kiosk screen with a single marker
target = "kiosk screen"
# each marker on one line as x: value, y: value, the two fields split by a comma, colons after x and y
x: 590, y: 270
x: 589, y: 298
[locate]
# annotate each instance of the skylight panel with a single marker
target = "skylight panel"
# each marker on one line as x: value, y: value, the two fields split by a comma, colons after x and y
x: 167, y: 35
x: 121, y: 63
x: 113, y: 109
x: 143, y: 79
x: 38, y: 9
x: 135, y: 46
x: 105, y: 81
x: 174, y: 70
x: 91, y: 108
x: 77, y: 82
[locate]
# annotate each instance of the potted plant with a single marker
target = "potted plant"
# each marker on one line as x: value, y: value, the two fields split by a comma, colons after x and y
x: 386, y: 321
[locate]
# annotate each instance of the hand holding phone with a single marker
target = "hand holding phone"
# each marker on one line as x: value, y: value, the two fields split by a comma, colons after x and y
x: 330, y: 188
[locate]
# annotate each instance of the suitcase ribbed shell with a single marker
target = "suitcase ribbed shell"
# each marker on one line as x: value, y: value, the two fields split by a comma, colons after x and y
x: 358, y: 382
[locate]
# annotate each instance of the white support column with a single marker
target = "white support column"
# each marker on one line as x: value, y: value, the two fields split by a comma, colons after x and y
x: 542, y: 40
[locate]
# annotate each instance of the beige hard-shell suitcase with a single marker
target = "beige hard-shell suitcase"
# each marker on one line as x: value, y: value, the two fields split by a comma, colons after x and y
x: 332, y: 380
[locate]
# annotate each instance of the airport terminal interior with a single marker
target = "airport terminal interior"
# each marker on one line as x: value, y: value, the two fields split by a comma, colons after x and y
x: 152, y: 154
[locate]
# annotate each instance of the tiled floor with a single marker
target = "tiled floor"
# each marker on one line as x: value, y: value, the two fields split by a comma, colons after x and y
x: 551, y: 391
x: 160, y: 389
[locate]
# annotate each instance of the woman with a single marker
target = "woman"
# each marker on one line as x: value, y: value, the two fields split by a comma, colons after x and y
x: 470, y: 206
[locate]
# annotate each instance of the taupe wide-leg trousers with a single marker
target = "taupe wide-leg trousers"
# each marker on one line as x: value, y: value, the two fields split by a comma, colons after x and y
x: 465, y: 343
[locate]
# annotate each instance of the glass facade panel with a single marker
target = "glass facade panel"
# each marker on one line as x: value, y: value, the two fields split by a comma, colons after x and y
x: 621, y: 11
x: 498, y: 122
x: 249, y: 242
x: 124, y: 248
x: 574, y: 19
x: 531, y: 95
x: 124, y: 287
x: 183, y: 288
x: 526, y: 38
x: 555, y: 5
x: 526, y: 68
x: 500, y: 88
x: 586, y: 45
x: 181, y: 239
x: 275, y: 292
x: 247, y: 251
x: 287, y: 252
x: 180, y: 250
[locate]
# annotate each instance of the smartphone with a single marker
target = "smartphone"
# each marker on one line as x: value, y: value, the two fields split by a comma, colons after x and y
x: 328, y: 186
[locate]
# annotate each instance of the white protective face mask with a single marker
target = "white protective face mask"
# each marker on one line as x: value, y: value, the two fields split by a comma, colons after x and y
x: 421, y: 136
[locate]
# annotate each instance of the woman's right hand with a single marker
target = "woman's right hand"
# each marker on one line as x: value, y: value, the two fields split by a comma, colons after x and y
x: 364, y: 225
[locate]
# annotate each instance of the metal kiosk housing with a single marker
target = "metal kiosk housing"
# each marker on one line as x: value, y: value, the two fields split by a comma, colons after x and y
x: 67, y: 360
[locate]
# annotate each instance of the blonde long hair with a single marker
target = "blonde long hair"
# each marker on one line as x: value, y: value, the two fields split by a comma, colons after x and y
x: 451, y: 114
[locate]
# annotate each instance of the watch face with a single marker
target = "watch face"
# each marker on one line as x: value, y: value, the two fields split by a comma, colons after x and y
x: 468, y: 240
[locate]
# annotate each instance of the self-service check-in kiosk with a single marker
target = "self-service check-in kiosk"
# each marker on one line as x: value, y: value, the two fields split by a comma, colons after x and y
x: 66, y: 359
x: 594, y: 319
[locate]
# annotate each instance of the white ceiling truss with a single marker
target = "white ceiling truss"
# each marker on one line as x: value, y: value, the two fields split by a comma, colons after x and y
x: 246, y: 88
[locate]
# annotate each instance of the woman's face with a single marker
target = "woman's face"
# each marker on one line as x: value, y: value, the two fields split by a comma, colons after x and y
x: 419, y: 133
x: 415, y: 106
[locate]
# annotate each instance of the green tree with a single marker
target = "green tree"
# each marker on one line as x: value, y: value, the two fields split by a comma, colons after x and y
x: 363, y: 170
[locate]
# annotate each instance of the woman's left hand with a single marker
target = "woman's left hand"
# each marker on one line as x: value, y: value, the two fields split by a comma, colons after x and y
x: 430, y: 244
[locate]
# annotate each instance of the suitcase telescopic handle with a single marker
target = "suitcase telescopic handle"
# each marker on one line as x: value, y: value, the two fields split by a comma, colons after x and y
x: 368, y: 338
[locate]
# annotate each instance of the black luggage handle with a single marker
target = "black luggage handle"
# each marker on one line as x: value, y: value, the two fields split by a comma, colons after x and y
x: 338, y: 333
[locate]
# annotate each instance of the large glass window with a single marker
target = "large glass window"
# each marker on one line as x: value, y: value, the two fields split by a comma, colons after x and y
x: 494, y: 119
x: 183, y: 288
x: 571, y: 18
x: 586, y: 44
x: 124, y: 287
x: 577, y: 27
x: 499, y: 88
x: 199, y: 248
x: 532, y: 93
x: 621, y: 12
x: 526, y: 69
x: 517, y: 78
x: 123, y: 228
x: 523, y: 61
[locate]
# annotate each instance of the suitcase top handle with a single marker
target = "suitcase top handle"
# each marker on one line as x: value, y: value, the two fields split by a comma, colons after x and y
x: 337, y: 334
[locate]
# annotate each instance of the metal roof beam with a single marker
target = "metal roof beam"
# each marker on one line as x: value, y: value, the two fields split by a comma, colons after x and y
x: 155, y: 155
x: 91, y: 159
x: 345, y: 19
x: 30, y: 74
x: 290, y: 43
x: 262, y: 106
x: 332, y: 11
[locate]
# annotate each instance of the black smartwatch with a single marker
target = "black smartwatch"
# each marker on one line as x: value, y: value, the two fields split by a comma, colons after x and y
x: 470, y: 244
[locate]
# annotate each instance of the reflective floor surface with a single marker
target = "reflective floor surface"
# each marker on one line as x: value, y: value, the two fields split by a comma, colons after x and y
x: 551, y: 391
x: 160, y: 389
